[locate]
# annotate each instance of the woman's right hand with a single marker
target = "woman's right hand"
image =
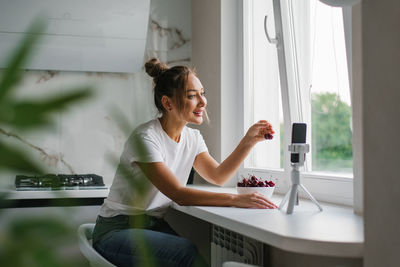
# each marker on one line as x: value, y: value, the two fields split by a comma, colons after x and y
x: 256, y: 133
x: 254, y: 200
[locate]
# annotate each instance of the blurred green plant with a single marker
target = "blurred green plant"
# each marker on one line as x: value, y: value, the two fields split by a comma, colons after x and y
x: 27, y: 114
x: 30, y: 241
x: 138, y: 187
x: 39, y: 240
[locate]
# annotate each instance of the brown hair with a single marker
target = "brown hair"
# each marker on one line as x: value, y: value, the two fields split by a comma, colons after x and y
x: 168, y: 81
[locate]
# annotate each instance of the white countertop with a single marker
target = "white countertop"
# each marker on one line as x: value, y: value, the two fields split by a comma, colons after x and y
x: 88, y: 193
x: 336, y: 231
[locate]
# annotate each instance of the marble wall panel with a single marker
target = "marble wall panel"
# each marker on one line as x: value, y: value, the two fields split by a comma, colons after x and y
x: 89, y: 133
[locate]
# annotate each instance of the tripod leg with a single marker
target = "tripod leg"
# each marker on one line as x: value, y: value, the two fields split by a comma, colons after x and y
x: 311, y: 197
x: 292, y: 199
x: 284, y: 199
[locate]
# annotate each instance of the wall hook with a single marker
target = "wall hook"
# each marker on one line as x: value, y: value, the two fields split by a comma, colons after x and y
x: 270, y: 40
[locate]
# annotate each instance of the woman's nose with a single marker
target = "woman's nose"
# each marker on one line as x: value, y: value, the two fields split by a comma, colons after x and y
x: 202, y: 101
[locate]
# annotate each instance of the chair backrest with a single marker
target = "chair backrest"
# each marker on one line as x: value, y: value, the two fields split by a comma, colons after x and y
x: 84, y: 236
x: 236, y: 264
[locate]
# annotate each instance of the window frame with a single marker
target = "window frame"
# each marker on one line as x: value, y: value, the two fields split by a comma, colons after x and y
x: 323, y: 186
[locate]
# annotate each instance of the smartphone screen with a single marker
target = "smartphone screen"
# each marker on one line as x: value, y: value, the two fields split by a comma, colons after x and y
x: 299, y: 131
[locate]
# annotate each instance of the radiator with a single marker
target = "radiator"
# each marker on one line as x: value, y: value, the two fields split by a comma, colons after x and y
x: 230, y: 246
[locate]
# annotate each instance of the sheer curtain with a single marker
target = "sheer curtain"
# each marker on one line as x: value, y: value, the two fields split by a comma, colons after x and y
x: 318, y: 71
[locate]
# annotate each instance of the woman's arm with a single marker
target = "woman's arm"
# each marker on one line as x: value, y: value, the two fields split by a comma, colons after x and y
x: 161, y: 176
x: 219, y: 174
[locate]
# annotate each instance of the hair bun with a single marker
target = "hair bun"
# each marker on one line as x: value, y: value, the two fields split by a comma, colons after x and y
x: 154, y: 67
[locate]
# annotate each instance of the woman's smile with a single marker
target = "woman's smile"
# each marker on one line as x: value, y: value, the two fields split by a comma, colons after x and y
x: 198, y: 113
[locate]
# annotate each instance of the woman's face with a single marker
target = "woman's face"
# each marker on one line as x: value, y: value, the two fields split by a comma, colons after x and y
x: 195, y: 101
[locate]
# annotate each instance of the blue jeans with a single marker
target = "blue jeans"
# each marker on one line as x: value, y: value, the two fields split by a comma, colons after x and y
x: 143, y: 241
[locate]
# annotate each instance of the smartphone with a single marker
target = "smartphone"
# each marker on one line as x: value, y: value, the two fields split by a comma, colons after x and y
x: 299, y: 131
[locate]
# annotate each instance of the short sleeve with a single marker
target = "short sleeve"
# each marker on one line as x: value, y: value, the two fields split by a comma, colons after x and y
x: 201, y: 145
x: 144, y: 148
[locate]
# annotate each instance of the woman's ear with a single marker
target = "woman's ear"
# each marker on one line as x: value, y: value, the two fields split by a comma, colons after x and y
x: 166, y: 102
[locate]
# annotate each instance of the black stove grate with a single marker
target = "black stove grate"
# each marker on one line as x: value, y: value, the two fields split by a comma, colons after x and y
x: 58, y: 182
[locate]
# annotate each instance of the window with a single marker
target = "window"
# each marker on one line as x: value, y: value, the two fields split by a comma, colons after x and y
x: 323, y: 84
x: 262, y: 86
x: 302, y: 78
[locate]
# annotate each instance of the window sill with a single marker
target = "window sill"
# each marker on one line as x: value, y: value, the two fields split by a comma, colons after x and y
x: 336, y: 231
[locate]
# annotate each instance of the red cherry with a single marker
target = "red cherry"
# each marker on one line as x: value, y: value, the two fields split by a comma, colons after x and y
x: 268, y: 136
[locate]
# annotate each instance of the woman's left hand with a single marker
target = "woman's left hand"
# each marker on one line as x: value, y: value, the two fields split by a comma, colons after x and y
x: 257, y: 132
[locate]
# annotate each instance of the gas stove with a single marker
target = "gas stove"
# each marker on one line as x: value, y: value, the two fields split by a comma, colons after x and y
x: 58, y: 182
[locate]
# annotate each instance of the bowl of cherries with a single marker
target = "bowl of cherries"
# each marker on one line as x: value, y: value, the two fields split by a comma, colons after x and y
x: 253, y: 184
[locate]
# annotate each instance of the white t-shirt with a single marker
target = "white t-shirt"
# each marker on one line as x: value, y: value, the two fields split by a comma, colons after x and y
x: 132, y: 193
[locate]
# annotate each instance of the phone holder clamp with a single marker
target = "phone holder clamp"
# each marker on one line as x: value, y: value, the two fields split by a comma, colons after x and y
x: 292, y: 194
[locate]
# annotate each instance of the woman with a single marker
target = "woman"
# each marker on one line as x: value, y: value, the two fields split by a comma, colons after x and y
x: 158, y: 158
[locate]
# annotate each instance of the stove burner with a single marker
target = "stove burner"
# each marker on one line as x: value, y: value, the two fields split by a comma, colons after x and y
x: 58, y: 182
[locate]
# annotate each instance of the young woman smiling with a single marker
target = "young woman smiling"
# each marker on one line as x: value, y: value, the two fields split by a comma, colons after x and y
x: 159, y: 156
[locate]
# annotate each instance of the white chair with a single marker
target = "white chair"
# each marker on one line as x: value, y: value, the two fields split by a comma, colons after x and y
x: 84, y: 241
x: 236, y: 264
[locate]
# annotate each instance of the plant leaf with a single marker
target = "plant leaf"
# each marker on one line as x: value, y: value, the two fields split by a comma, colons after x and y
x: 12, y: 74
x: 30, y: 114
x: 14, y: 159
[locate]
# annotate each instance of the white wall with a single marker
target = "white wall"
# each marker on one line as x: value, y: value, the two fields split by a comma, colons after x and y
x: 381, y: 127
x: 356, y: 94
x: 206, y: 58
x: 216, y: 55
x: 232, y: 121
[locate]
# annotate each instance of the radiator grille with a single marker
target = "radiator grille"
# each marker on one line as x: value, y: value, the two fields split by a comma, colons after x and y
x: 230, y: 246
